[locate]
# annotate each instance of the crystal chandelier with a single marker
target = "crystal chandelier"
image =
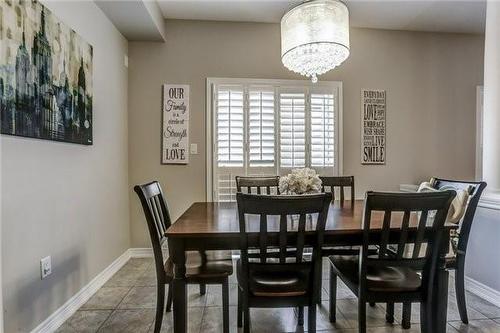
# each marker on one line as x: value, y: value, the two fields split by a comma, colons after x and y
x: 315, y: 37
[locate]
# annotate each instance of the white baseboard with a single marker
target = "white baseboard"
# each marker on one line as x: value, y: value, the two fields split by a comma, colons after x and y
x: 56, y: 319
x: 477, y: 288
x: 141, y: 252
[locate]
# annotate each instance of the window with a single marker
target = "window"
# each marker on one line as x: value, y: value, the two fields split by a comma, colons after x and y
x: 268, y: 127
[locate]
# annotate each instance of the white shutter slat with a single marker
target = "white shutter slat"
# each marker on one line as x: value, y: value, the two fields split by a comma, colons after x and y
x: 322, y: 130
x: 292, y: 130
x: 261, y: 129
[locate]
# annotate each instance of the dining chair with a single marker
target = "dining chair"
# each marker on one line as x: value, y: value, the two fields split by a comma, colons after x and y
x: 455, y: 259
x: 260, y: 183
x: 340, y: 183
x: 289, y: 279
x: 401, y: 277
x: 201, y: 267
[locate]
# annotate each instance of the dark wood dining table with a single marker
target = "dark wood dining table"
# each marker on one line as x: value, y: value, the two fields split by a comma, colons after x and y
x: 214, y: 226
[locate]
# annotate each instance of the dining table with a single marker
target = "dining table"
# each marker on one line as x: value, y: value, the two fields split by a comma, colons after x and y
x: 208, y: 226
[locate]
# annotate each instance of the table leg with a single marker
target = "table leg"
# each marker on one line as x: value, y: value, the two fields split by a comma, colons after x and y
x: 440, y: 299
x: 179, y: 285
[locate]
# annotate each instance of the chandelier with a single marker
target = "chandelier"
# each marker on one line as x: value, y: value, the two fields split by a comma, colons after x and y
x: 315, y: 37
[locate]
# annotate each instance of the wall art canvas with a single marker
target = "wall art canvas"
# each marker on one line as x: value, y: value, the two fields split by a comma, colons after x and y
x: 373, y: 116
x: 175, y: 131
x: 45, y: 75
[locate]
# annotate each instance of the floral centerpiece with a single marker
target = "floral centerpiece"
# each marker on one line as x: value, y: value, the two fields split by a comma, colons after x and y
x: 300, y: 181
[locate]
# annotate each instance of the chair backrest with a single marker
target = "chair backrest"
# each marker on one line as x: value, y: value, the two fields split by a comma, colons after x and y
x: 277, y: 230
x: 408, y: 221
x: 340, y: 182
x: 476, y: 189
x: 266, y: 183
x: 157, y: 217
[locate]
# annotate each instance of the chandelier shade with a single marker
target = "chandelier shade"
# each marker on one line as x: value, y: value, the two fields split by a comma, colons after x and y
x: 315, y: 37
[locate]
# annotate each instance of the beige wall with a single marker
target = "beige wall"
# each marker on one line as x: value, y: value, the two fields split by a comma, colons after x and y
x: 430, y: 81
x: 65, y: 200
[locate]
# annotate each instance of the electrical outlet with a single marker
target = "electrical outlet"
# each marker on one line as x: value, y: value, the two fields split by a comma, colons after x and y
x: 45, y: 267
x: 193, y: 149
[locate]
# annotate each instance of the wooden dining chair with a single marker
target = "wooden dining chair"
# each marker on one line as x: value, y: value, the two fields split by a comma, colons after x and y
x: 339, y: 183
x: 456, y: 257
x: 287, y: 280
x: 403, y: 277
x: 333, y: 184
x: 201, y: 267
x: 262, y: 184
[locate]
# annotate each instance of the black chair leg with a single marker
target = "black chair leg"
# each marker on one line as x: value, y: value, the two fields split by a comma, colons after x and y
x: 425, y: 317
x: 320, y: 284
x: 246, y: 315
x: 362, y: 315
x: 203, y: 289
x: 460, y: 289
x: 311, y: 317
x: 333, y: 296
x: 240, y: 310
x: 169, y: 298
x: 406, y: 321
x: 225, y: 306
x: 301, y: 316
x: 160, y: 305
x: 389, y: 313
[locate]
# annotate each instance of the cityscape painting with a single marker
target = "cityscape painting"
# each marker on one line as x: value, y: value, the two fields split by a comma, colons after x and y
x: 45, y: 75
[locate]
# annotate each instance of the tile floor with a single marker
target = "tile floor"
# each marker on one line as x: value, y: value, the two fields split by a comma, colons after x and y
x: 126, y: 303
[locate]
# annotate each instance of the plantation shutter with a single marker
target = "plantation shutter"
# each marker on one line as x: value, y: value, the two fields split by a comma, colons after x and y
x: 261, y: 136
x: 269, y: 127
x: 292, y: 130
x: 230, y: 132
x: 322, y: 130
x: 230, y: 126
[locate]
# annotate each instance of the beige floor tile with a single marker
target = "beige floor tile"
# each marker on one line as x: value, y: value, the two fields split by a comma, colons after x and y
x: 480, y: 326
x: 484, y: 307
x: 128, y: 321
x: 139, y: 297
x: 87, y: 321
x: 106, y: 298
x: 195, y: 315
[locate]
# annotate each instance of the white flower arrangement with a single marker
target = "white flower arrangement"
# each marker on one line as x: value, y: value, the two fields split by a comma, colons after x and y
x: 300, y: 181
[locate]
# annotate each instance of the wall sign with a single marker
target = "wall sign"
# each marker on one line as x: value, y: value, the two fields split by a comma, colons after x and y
x: 373, y: 129
x: 175, y: 131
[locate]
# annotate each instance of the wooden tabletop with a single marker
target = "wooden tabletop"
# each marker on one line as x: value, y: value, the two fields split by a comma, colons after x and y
x: 214, y: 219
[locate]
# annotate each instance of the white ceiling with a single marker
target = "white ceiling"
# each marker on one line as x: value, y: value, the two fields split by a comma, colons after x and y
x: 414, y: 15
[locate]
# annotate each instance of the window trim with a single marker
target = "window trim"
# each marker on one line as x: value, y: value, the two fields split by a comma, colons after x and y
x: 210, y: 117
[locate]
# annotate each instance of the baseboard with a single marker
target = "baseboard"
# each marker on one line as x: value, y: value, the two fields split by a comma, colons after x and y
x: 141, y: 252
x: 56, y: 319
x: 477, y: 288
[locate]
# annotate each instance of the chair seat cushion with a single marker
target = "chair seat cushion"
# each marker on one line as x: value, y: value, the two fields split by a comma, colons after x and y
x: 379, y: 279
x: 275, y: 280
x: 210, y: 265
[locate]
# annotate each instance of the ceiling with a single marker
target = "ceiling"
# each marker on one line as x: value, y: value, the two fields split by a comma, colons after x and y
x: 467, y: 16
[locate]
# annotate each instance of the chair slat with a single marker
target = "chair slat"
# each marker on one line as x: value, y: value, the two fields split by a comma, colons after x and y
x: 404, y: 234
x: 300, y: 238
x: 283, y: 234
x: 420, y: 234
x: 384, y: 239
x: 263, y: 238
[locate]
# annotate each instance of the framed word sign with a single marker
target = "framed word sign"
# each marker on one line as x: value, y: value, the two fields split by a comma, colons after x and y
x: 373, y: 115
x: 175, y: 130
